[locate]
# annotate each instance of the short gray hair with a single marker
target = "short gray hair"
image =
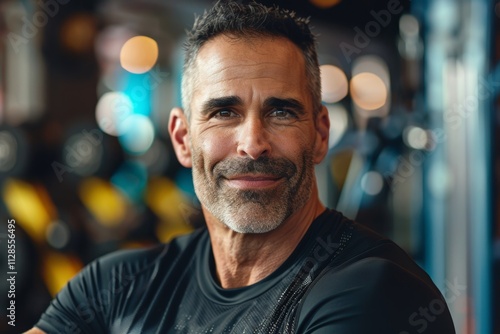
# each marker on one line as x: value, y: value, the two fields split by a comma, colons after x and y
x: 250, y: 20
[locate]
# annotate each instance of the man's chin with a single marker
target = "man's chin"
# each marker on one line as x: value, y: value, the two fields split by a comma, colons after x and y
x: 252, y: 223
x: 251, y: 228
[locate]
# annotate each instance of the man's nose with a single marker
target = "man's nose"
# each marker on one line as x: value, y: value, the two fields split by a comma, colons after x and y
x: 253, y: 139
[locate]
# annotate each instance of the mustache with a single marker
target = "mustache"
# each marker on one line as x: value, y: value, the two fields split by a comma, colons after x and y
x: 279, y: 167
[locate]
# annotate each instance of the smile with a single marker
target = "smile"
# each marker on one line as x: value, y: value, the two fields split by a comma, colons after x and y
x: 245, y: 182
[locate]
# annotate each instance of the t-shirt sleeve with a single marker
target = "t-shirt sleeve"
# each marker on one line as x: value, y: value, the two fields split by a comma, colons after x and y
x: 78, y: 307
x: 374, y: 295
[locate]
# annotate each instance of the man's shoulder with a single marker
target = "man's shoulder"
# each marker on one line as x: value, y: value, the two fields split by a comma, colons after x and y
x: 374, y: 273
x: 364, y: 294
x: 135, y: 261
x: 367, y: 254
x: 362, y: 253
x: 359, y: 242
x: 370, y: 281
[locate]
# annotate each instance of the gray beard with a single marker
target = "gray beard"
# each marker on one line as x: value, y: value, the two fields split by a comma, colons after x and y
x: 254, y: 211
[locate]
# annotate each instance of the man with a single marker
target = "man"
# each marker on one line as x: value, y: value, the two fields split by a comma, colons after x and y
x: 272, y: 258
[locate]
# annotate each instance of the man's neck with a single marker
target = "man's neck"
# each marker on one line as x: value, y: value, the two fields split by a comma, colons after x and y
x: 244, y: 259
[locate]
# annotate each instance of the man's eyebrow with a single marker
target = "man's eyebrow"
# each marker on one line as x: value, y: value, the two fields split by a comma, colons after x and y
x: 220, y: 102
x: 276, y: 102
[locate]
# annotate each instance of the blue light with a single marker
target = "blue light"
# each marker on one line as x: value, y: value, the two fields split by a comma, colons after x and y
x: 139, y: 89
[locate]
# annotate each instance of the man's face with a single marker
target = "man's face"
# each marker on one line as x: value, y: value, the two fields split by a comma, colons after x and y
x: 252, y: 132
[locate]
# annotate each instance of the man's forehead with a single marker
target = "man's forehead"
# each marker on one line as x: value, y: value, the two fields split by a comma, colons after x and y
x: 233, y: 48
x: 261, y: 67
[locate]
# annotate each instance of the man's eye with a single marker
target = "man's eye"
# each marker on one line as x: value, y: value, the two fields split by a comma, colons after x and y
x: 225, y: 114
x: 282, y: 114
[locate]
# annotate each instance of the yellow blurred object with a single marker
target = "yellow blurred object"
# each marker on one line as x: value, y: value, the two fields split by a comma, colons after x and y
x: 169, y: 204
x: 58, y: 269
x: 325, y: 3
x: 139, y: 54
x: 166, y: 231
x: 340, y: 163
x: 104, y: 201
x: 136, y: 244
x: 31, y: 206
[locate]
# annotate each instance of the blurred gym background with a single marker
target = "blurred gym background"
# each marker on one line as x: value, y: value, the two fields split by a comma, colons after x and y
x: 86, y: 166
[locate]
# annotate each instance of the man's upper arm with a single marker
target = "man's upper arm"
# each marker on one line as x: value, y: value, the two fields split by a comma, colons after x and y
x: 77, y: 307
x: 374, y: 296
x: 86, y: 303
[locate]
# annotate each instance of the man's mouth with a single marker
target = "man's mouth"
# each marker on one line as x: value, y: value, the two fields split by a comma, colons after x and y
x: 253, y: 181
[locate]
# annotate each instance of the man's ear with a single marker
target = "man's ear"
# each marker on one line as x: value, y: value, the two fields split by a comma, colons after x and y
x: 179, y: 134
x: 322, y: 135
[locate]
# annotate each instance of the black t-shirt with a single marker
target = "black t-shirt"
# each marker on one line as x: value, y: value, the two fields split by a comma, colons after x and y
x: 342, y: 278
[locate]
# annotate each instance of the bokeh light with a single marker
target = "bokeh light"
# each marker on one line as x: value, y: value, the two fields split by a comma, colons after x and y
x: 58, y: 234
x: 445, y: 14
x: 409, y: 26
x: 31, y: 205
x: 440, y: 181
x: 325, y: 3
x: 8, y: 151
x: 78, y: 33
x: 111, y: 110
x: 103, y: 200
x: 372, y: 183
x: 333, y: 83
x: 139, y: 54
x: 137, y: 133
x: 82, y: 154
x: 368, y: 91
x: 416, y: 137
